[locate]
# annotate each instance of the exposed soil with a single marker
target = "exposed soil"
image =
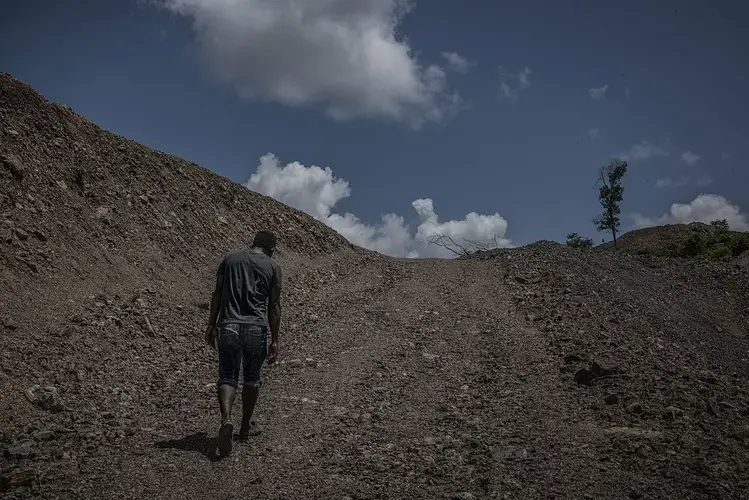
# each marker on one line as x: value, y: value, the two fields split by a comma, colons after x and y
x: 661, y: 241
x: 540, y: 372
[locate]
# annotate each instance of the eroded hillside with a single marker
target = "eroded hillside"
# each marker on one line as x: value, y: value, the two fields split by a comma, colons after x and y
x: 539, y: 372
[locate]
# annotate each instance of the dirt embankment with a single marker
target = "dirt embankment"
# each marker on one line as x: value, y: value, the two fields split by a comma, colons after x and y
x: 539, y: 372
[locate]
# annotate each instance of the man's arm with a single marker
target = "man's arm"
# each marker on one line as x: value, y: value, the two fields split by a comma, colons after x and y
x: 211, y: 332
x: 274, y: 315
x: 216, y: 301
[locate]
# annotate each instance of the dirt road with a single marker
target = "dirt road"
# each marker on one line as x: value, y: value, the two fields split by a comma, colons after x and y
x: 416, y: 381
x: 400, y: 379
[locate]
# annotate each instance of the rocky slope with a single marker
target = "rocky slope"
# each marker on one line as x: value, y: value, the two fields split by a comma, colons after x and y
x: 107, y: 249
x: 662, y: 241
x: 657, y: 349
x: 539, y: 372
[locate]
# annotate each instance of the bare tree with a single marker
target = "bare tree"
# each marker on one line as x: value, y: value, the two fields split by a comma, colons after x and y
x: 465, y: 248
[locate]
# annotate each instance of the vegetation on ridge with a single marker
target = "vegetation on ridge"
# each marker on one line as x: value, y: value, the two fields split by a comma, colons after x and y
x: 610, y: 194
x: 718, y: 243
x: 574, y: 240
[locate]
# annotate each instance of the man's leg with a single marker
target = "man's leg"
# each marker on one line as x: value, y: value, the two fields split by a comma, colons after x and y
x: 230, y: 357
x: 226, y: 395
x: 255, y: 353
x: 249, y: 400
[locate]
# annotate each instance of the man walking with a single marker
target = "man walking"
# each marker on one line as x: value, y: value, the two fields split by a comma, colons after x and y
x: 245, y: 302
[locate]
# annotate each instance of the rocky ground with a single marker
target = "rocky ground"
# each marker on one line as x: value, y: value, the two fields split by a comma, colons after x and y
x: 667, y: 240
x: 540, y: 372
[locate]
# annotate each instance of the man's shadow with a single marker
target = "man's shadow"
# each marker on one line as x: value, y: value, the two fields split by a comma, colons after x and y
x: 199, y: 441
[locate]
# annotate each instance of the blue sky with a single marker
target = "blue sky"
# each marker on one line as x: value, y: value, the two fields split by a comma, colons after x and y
x: 504, y: 108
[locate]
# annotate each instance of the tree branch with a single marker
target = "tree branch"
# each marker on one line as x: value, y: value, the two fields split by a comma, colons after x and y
x: 465, y: 248
x: 445, y: 241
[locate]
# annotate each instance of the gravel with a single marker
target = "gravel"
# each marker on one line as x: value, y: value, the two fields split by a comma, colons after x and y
x: 525, y: 373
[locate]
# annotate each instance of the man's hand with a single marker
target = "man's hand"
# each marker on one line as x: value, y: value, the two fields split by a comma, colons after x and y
x: 272, y: 352
x: 211, y: 333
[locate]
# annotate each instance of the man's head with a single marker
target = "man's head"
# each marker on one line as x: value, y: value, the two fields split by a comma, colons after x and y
x: 266, y: 241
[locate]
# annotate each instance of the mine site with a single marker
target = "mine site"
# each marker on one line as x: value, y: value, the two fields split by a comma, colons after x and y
x: 479, y: 360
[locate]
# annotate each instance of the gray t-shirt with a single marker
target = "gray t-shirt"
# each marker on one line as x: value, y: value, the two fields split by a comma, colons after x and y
x: 248, y: 277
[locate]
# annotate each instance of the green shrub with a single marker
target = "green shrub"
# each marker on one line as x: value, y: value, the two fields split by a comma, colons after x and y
x: 740, y: 243
x: 574, y: 240
x: 719, y: 251
x: 694, y: 246
x: 718, y: 244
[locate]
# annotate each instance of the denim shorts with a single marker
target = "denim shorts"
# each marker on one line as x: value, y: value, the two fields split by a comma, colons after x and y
x: 241, y: 344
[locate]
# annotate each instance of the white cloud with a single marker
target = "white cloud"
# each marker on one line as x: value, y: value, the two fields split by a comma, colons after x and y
x: 311, y: 189
x: 316, y: 191
x: 642, y: 151
x: 593, y: 133
x: 598, y: 94
x: 704, y: 208
x: 511, y: 84
x: 689, y: 157
x: 343, y: 55
x: 456, y: 62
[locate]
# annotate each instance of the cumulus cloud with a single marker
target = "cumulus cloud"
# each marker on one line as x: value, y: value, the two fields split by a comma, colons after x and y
x: 690, y: 158
x: 642, y: 151
x: 593, y: 133
x: 342, y: 55
x: 316, y: 190
x: 599, y: 93
x: 704, y: 208
x: 456, y: 62
x: 511, y: 84
x: 311, y: 189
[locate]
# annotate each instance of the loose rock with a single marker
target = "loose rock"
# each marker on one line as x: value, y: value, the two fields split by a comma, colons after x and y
x: 463, y: 495
x: 17, y: 478
x: 672, y: 413
x: 14, y: 165
x: 20, y: 451
x: 21, y: 234
x: 635, y: 408
x: 584, y: 376
x: 611, y: 399
x: 514, y: 453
